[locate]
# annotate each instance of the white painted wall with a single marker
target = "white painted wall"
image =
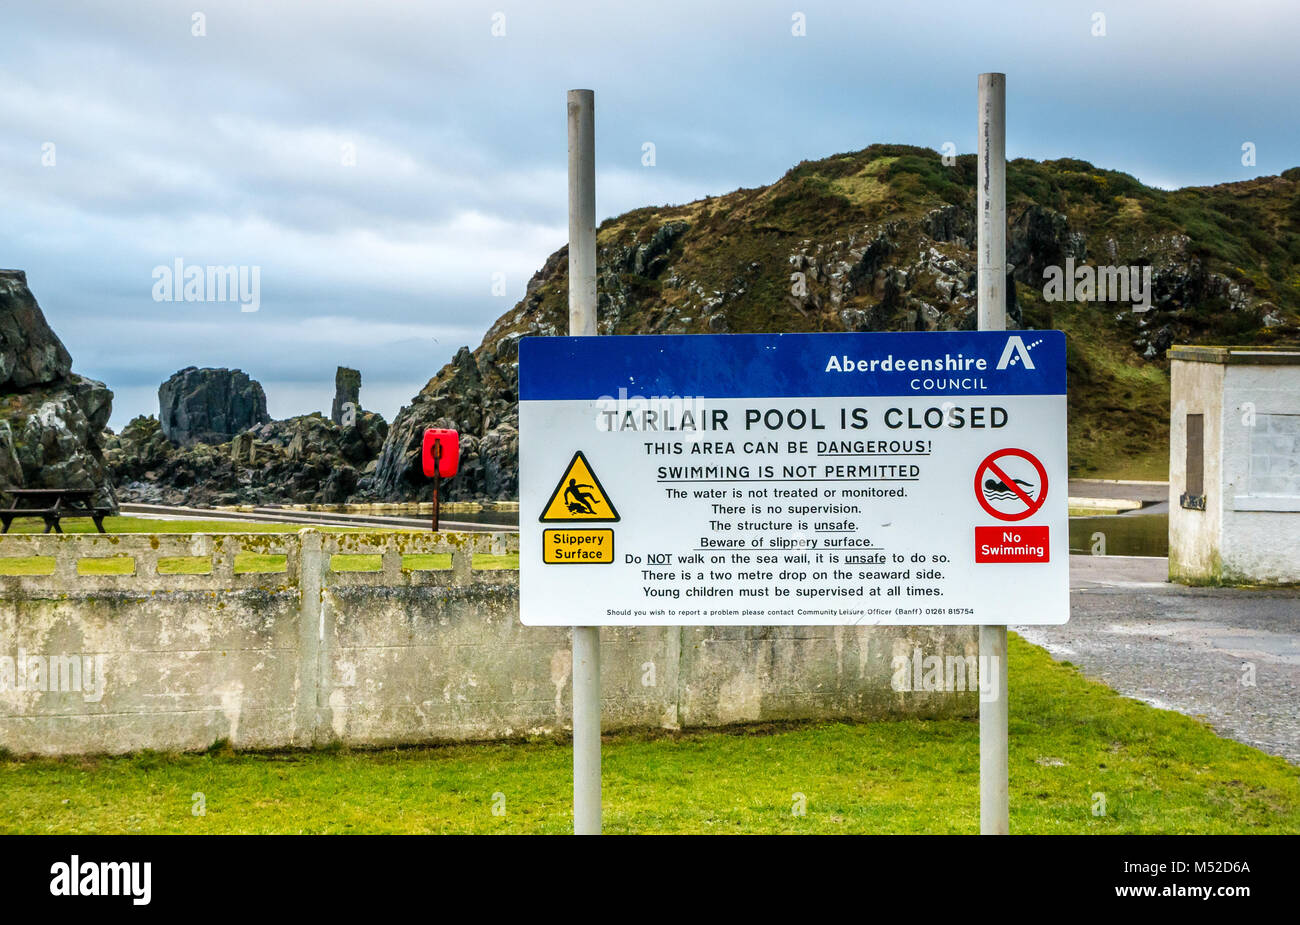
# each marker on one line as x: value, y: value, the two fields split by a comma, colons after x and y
x: 1250, y: 530
x: 1260, y: 538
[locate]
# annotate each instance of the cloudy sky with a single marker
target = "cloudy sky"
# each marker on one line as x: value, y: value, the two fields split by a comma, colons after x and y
x: 380, y: 161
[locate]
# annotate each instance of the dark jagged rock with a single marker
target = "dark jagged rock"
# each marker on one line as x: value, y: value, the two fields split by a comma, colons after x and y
x: 53, y: 432
x: 30, y: 352
x: 475, y: 396
x: 950, y: 223
x: 1040, y: 238
x: 339, y: 485
x: 51, y: 419
x: 347, y: 391
x: 307, y: 459
x: 209, y: 405
x: 363, y: 439
x: 651, y: 258
x: 140, y: 448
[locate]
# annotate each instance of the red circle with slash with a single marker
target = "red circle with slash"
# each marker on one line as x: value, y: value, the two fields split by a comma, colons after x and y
x: 1032, y: 505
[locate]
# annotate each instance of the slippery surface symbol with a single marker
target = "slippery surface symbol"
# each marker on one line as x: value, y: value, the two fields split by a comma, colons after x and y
x: 578, y: 495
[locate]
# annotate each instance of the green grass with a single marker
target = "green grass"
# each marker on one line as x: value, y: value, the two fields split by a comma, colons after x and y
x: 1070, y: 739
x: 1150, y: 466
x: 248, y: 562
x: 150, y: 525
x: 245, y: 562
x: 420, y: 562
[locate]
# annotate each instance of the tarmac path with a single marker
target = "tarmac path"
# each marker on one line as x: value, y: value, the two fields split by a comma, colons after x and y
x: 1193, y: 650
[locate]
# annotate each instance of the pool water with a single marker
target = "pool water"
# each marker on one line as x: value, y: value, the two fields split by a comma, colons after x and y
x: 1131, y: 535
x: 509, y: 518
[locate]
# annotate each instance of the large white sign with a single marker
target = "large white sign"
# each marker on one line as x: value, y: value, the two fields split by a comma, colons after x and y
x: 793, y: 479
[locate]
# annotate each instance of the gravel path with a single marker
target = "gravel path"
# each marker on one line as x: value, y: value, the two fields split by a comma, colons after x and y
x: 1186, y: 649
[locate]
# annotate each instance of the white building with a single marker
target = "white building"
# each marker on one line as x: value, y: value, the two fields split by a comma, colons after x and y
x: 1234, y: 465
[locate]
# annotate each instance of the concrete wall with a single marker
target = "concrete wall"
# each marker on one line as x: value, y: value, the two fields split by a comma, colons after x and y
x: 1261, y: 474
x: 308, y: 656
x: 1249, y: 532
x: 1195, y: 388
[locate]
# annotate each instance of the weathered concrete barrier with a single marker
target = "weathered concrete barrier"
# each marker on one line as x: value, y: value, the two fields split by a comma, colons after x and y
x: 300, y: 654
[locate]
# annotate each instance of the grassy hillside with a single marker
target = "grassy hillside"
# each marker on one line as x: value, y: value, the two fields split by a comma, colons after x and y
x: 883, y: 239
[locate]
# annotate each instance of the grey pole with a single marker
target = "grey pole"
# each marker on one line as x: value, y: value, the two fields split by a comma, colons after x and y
x: 582, y: 213
x: 582, y: 322
x: 992, y: 204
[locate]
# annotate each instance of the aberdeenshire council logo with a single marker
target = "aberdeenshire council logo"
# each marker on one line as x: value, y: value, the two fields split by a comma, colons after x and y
x: 1016, y: 353
x: 968, y: 369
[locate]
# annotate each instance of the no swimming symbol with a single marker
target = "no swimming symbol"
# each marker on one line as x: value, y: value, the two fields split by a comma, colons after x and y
x: 1011, y: 484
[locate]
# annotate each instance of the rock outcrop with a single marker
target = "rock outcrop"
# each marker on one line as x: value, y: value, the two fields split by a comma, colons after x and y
x: 306, y: 459
x: 476, y: 396
x: 51, y: 419
x: 30, y: 352
x: 209, y: 405
x: 347, y: 391
x: 1040, y: 238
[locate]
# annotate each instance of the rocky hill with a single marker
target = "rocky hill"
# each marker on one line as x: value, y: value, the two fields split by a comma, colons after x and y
x: 306, y: 459
x: 883, y: 240
x: 51, y: 419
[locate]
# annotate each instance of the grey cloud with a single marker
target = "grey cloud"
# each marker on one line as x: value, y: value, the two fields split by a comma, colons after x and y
x: 226, y: 149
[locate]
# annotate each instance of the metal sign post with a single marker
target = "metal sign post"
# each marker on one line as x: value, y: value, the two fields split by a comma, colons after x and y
x: 992, y: 307
x: 582, y: 322
x: 437, y: 481
x: 968, y: 438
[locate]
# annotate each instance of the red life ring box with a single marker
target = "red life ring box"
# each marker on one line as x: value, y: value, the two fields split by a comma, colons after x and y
x: 441, y: 453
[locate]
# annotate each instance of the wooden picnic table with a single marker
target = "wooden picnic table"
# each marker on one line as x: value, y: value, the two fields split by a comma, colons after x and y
x: 52, y: 504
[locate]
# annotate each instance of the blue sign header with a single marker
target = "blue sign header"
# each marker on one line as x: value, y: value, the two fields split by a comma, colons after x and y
x: 792, y: 365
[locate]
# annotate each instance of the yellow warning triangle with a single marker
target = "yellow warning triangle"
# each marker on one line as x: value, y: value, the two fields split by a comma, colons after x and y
x: 579, y: 496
